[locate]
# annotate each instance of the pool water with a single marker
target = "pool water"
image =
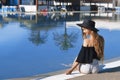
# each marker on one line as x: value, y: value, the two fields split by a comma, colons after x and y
x: 37, y: 44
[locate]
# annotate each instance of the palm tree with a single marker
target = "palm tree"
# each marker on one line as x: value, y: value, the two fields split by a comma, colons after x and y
x: 36, y: 38
x: 65, y: 40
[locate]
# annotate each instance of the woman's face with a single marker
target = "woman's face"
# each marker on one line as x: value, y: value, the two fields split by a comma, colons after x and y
x: 86, y: 31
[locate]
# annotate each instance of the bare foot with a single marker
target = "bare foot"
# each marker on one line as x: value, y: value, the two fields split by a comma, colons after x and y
x: 68, y: 72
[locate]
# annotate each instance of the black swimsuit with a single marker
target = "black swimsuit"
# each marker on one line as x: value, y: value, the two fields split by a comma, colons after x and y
x: 86, y: 55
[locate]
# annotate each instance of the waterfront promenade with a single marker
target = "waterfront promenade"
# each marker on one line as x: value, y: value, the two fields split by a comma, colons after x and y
x: 110, y: 71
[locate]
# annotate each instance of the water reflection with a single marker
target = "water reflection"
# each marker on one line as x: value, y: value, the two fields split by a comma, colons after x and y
x: 25, y: 38
x: 2, y: 22
x: 47, y: 21
x: 65, y: 40
x: 57, y: 17
x: 37, y: 38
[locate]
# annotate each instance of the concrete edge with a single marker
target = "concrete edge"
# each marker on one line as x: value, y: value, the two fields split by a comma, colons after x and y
x: 40, y: 76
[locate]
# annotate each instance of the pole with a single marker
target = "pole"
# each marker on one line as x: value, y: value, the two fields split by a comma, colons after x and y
x: 37, y: 5
x: 18, y: 6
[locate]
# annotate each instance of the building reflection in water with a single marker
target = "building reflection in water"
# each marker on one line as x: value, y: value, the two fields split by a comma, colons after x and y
x: 46, y: 21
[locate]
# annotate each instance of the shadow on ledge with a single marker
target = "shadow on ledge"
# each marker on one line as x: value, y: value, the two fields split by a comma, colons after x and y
x: 116, y: 69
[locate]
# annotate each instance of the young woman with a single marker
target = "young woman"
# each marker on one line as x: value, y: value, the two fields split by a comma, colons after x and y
x: 92, y: 49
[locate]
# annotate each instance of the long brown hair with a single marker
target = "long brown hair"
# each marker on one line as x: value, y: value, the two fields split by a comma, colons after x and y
x: 98, y: 43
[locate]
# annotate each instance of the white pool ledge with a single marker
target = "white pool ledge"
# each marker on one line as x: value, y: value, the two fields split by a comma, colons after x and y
x: 76, y: 73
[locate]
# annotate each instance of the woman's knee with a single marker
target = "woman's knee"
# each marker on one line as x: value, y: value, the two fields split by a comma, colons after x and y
x: 85, y: 69
x: 95, y: 70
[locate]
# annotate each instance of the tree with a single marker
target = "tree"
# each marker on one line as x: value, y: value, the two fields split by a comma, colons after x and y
x: 65, y: 40
x: 36, y: 38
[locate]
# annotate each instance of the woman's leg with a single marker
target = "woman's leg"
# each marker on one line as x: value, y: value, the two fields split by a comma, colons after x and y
x: 77, y: 68
x: 85, y: 68
x: 74, y: 66
x: 95, y: 66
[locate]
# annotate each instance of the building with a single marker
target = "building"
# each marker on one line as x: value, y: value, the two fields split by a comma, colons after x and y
x: 68, y: 4
x: 10, y: 2
x: 116, y: 3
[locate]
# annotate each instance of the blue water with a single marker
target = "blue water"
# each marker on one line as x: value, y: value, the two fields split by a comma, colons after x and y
x: 30, y: 46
